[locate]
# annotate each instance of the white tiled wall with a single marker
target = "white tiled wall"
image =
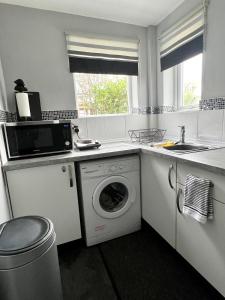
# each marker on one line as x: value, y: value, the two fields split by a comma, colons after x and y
x: 202, y: 125
x: 108, y: 128
x: 171, y: 121
x: 210, y: 124
x: 153, y: 121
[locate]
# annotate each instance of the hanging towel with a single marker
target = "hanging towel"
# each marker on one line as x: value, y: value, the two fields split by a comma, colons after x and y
x: 198, y: 202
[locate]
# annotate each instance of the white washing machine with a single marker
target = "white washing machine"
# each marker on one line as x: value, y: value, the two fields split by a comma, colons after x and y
x: 111, y: 204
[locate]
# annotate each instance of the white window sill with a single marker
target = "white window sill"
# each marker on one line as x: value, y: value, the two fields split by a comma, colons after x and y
x: 182, y: 110
x: 105, y: 116
x: 189, y: 108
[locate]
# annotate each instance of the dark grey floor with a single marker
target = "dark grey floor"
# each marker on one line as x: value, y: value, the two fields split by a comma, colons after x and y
x: 137, y: 266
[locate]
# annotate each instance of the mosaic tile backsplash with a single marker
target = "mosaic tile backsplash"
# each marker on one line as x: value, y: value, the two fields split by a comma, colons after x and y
x: 212, y: 104
x: 59, y: 114
x: 161, y: 109
x: 141, y: 110
x: 206, y: 104
x: 6, y: 116
x: 153, y: 109
x: 3, y: 116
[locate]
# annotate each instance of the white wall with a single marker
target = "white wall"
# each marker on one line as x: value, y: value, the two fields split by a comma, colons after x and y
x: 3, y: 96
x: 109, y: 128
x: 200, y: 125
x: 32, y: 47
x: 214, y: 69
x: 152, y: 64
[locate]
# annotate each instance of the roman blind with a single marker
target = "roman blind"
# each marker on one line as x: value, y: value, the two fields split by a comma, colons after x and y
x: 183, y: 40
x: 99, y: 55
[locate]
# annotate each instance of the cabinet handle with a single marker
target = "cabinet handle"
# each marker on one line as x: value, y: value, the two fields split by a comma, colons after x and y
x: 178, y: 200
x: 63, y: 169
x: 169, y: 177
x: 70, y: 175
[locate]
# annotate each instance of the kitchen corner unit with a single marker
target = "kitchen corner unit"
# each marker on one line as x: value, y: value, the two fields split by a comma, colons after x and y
x: 159, y: 195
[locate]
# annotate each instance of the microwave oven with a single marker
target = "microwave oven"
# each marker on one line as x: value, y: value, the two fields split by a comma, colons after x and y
x: 28, y: 139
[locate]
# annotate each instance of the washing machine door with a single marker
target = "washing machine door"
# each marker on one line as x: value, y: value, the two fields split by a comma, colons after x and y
x: 113, y: 197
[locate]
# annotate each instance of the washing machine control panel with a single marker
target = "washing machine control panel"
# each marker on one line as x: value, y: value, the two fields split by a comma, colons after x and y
x: 109, y: 167
x: 113, y: 168
x: 92, y: 170
x: 116, y: 167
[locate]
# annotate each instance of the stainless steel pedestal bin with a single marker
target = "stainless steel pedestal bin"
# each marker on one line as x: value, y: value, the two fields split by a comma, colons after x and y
x: 29, y: 268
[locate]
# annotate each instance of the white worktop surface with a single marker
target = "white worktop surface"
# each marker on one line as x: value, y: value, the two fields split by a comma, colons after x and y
x: 211, y: 159
x: 106, y: 150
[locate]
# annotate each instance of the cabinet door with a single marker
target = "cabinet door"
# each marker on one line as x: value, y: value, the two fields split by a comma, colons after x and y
x: 183, y: 169
x: 203, y: 245
x: 48, y: 191
x: 158, y: 198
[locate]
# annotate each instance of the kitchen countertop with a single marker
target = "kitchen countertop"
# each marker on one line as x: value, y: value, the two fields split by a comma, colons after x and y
x: 106, y: 150
x: 213, y: 160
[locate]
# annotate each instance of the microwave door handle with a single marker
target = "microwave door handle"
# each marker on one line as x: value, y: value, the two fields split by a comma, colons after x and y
x: 70, y: 175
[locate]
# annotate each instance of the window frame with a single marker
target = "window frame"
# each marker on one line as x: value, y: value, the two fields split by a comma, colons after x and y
x: 177, y: 80
x: 130, y: 93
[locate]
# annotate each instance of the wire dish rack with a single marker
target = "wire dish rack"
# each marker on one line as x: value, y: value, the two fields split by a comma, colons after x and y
x: 147, y: 135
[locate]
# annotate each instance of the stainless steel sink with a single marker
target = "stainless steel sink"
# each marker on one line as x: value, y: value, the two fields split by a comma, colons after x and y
x: 187, y: 148
x: 184, y: 147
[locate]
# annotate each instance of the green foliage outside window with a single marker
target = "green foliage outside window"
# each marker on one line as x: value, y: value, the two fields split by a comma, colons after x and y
x: 99, y: 94
x: 110, y: 97
x: 190, y: 95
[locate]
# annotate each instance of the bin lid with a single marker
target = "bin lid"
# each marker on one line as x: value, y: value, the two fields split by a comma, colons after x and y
x: 22, y: 234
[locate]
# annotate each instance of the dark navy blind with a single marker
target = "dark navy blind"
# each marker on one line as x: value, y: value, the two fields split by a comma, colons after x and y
x: 99, y: 55
x: 102, y: 66
x: 183, y: 40
x: 184, y: 52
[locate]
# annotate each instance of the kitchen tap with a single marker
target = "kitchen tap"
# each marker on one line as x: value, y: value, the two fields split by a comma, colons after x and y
x: 182, y: 134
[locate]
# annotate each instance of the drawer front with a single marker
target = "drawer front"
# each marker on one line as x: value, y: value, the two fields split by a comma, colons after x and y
x: 217, y: 179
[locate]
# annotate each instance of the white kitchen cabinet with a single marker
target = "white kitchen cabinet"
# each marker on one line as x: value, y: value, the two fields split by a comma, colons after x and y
x: 203, y: 245
x: 158, y: 198
x: 183, y: 169
x: 48, y: 191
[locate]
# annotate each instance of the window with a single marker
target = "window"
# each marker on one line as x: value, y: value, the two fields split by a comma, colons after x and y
x: 182, y: 84
x: 101, y: 94
x: 181, y: 55
x: 105, y: 74
x: 191, y: 82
